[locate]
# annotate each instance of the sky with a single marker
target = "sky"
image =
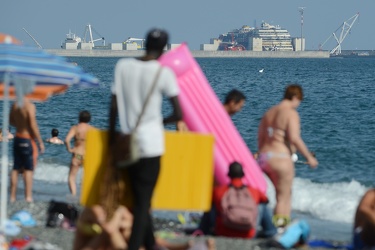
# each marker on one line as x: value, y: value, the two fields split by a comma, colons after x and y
x: 194, y: 21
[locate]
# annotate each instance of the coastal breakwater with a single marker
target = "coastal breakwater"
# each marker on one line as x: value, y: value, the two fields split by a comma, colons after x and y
x: 195, y: 53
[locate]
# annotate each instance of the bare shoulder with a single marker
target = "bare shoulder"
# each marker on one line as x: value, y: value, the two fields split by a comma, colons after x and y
x: 370, y: 195
x: 292, y: 113
x: 73, y: 128
x: 368, y: 198
x: 29, y: 107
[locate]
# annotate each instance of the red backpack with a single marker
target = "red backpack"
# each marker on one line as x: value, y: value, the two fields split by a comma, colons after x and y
x: 239, y: 209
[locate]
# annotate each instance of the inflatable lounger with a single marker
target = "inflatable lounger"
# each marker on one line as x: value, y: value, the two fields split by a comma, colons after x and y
x: 186, y: 175
x: 203, y: 112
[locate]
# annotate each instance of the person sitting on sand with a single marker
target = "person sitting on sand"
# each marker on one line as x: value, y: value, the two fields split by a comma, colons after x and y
x: 96, y: 231
x: 263, y: 217
x: 54, y: 139
x: 364, y: 222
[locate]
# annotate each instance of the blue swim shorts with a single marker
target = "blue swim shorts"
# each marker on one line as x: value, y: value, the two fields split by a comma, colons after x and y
x: 23, y: 154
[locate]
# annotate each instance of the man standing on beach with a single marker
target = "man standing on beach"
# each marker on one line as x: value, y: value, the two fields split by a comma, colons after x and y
x: 135, y: 80
x: 78, y: 132
x: 25, y: 150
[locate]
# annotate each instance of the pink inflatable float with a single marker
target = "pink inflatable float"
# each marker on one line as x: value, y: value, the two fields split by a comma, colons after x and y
x: 203, y: 112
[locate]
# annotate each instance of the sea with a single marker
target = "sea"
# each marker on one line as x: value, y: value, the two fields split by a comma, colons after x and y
x: 337, y: 123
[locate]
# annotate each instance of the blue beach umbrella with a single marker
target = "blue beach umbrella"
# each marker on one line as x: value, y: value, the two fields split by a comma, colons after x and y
x: 36, y: 74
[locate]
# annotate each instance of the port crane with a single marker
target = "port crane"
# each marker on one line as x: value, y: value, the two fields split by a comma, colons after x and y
x: 88, y: 32
x: 345, y: 30
x: 36, y: 42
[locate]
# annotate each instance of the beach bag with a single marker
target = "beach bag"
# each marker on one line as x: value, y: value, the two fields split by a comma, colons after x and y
x: 58, y: 212
x: 126, y: 150
x: 240, y: 211
x: 294, y: 234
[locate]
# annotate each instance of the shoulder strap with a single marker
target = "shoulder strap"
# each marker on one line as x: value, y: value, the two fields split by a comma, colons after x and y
x: 241, y: 187
x: 148, y: 97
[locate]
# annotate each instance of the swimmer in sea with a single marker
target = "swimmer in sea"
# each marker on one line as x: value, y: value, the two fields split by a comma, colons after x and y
x: 278, y: 137
x: 78, y: 132
x: 55, y: 139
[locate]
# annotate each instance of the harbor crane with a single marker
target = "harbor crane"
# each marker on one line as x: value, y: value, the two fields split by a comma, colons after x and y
x: 301, y: 10
x: 345, y: 30
x: 36, y: 42
x: 88, y: 32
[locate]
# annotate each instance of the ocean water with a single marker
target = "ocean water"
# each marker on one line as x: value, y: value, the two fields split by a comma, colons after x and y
x: 337, y: 123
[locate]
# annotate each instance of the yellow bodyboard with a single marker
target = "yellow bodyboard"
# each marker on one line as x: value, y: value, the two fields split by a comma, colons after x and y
x: 186, y: 176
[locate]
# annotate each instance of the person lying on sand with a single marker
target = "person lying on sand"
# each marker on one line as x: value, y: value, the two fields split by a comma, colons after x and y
x: 364, y: 222
x: 94, y: 231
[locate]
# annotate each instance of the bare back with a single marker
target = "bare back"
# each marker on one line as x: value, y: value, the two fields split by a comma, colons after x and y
x: 275, y: 128
x: 23, y: 118
x: 366, y: 210
x: 78, y: 132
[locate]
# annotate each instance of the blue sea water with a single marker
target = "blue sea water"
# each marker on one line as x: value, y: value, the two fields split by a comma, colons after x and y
x: 337, y: 123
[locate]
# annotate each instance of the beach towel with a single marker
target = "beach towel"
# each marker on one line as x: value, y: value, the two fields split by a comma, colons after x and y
x: 23, y: 218
x: 11, y: 229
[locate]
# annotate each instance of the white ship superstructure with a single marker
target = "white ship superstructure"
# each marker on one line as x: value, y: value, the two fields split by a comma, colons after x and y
x: 71, y: 41
x: 267, y: 37
x: 273, y: 37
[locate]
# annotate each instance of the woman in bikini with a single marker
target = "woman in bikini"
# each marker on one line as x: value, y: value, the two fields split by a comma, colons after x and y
x: 78, y: 132
x: 278, y: 138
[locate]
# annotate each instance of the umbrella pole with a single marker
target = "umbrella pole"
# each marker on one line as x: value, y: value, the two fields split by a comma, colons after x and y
x: 4, y: 158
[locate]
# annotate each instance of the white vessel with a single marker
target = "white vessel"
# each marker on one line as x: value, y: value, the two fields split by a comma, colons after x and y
x: 71, y: 41
x: 270, y: 38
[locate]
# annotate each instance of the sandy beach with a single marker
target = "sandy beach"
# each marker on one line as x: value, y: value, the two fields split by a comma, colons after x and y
x: 58, y: 238
x: 63, y: 239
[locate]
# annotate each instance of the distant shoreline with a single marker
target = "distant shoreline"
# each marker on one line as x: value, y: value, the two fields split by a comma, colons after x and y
x: 195, y: 53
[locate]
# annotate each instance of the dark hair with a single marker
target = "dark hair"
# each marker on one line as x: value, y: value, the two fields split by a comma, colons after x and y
x: 235, y: 170
x: 234, y: 95
x: 84, y: 116
x: 293, y: 90
x: 54, y: 132
x: 156, y: 39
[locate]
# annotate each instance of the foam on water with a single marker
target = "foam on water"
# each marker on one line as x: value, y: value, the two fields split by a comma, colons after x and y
x: 327, y: 201
x: 54, y: 173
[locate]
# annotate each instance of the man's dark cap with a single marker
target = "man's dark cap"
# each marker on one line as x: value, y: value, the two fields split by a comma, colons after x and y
x: 156, y: 39
x: 235, y: 170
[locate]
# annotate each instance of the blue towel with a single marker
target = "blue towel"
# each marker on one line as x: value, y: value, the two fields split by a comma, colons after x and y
x: 24, y: 218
